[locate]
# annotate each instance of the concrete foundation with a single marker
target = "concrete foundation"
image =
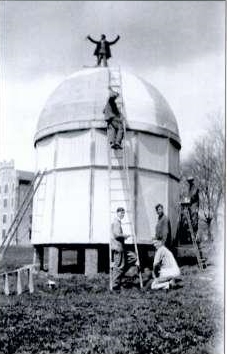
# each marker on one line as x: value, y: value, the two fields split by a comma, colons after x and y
x: 91, y: 262
x: 53, y: 261
x: 38, y: 256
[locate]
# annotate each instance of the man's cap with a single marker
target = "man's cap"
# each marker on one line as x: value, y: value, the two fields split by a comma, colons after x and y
x: 120, y: 209
x: 190, y: 178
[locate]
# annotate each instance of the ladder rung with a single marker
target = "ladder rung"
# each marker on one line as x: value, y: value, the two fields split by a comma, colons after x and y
x: 119, y: 200
x: 116, y: 157
x: 115, y: 77
x: 115, y: 83
x: 40, y: 199
x: 119, y: 189
x: 118, y: 178
x: 116, y: 71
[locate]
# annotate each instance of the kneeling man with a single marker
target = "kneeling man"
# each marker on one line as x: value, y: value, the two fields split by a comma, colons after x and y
x: 165, y: 267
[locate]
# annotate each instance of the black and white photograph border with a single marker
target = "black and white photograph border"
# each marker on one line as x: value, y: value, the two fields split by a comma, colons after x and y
x: 112, y: 177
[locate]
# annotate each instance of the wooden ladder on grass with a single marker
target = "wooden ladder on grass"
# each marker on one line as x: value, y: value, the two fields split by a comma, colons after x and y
x: 201, y: 261
x: 118, y: 171
x: 21, y: 212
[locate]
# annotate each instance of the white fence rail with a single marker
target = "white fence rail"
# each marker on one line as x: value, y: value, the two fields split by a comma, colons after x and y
x: 18, y: 279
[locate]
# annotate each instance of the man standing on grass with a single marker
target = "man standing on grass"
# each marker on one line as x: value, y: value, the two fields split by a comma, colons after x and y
x: 165, y: 268
x: 163, y: 226
x: 122, y: 259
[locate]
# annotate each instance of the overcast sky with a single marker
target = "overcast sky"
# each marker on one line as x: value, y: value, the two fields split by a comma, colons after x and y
x: 177, y: 46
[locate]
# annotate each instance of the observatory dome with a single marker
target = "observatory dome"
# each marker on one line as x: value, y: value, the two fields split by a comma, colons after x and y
x: 78, y: 102
x: 74, y: 205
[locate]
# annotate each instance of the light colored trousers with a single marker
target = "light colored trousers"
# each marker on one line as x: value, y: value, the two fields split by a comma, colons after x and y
x: 165, y: 276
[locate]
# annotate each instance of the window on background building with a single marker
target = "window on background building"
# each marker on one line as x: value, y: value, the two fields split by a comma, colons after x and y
x: 12, y: 202
x: 3, y: 234
x: 4, y: 219
x: 6, y: 188
x: 11, y: 217
x: 4, y: 203
x: 13, y: 187
x: 0, y: 189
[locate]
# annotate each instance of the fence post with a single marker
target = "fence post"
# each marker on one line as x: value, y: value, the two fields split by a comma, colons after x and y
x: 19, y: 288
x: 6, y: 285
x: 30, y: 279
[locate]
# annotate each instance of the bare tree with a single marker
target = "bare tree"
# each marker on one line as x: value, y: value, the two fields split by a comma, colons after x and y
x: 207, y: 164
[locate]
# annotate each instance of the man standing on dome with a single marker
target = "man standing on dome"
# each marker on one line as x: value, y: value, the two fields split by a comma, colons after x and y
x: 114, y: 119
x: 102, y: 50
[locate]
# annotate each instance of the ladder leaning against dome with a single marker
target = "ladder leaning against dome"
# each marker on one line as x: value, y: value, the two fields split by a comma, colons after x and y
x: 21, y: 212
x: 119, y: 176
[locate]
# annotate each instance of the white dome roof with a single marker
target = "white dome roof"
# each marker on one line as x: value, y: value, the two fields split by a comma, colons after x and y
x: 78, y: 102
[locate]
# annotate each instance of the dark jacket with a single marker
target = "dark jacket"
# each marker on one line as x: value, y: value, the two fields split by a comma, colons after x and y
x: 193, y: 194
x: 163, y: 230
x: 107, y: 46
x: 118, y: 240
x: 111, y: 110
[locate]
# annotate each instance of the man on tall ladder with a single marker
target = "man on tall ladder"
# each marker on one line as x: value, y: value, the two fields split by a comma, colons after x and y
x: 114, y: 119
x: 122, y: 259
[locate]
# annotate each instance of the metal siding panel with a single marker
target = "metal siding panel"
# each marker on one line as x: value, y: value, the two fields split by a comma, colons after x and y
x: 45, y: 154
x: 42, y: 210
x: 152, y: 189
x: 101, y: 228
x: 100, y: 137
x: 173, y: 160
x: 74, y: 149
x: 152, y: 152
x: 72, y: 207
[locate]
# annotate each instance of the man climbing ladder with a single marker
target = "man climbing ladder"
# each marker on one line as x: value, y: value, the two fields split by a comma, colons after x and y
x: 114, y: 119
x: 119, y: 190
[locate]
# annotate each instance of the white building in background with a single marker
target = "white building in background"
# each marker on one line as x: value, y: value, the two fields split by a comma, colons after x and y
x: 14, y: 185
x: 70, y: 143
